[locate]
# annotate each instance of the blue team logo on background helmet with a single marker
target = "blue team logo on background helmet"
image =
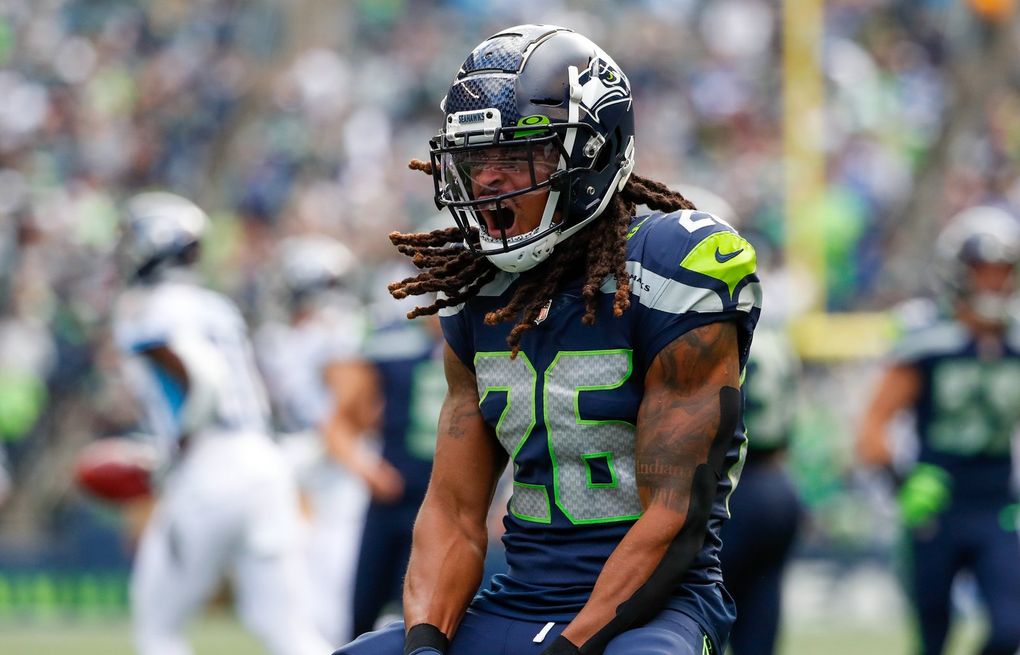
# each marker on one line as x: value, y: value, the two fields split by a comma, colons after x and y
x: 159, y: 230
x: 537, y: 86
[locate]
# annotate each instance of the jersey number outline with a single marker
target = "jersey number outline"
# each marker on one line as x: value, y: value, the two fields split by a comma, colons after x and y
x: 574, y: 443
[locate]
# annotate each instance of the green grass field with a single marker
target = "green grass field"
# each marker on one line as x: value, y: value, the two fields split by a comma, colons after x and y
x: 220, y: 634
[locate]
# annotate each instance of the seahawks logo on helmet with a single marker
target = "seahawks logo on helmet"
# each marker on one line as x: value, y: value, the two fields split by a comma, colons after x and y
x: 602, y: 85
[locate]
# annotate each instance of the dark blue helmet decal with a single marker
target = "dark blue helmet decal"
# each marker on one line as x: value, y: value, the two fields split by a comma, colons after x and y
x: 485, y: 92
x: 502, y: 53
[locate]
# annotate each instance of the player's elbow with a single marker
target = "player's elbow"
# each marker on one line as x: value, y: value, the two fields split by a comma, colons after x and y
x: 445, y: 516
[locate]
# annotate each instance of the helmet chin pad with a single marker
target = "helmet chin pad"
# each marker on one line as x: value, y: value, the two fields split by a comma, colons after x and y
x: 520, y: 259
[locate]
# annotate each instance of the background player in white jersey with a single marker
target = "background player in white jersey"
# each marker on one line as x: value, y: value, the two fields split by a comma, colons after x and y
x: 312, y: 360
x: 227, y: 501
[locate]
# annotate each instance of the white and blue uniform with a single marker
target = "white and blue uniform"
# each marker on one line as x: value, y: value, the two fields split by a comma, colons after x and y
x: 227, y: 501
x: 295, y: 359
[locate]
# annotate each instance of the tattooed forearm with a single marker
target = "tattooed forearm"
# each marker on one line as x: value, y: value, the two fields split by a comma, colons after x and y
x: 680, y: 413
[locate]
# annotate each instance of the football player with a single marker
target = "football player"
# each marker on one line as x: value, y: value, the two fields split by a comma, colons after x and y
x: 227, y: 502
x: 407, y: 378
x: 766, y: 509
x: 312, y: 364
x: 599, y: 351
x: 960, y: 378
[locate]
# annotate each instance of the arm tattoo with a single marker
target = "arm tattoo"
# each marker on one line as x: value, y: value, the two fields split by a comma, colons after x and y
x: 456, y: 415
x: 680, y: 414
x: 460, y: 408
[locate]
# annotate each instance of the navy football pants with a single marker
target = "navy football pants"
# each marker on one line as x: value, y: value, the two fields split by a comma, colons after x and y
x: 480, y: 633
x: 967, y: 538
x: 757, y: 541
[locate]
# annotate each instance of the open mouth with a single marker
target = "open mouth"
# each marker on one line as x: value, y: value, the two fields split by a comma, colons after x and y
x: 499, y: 219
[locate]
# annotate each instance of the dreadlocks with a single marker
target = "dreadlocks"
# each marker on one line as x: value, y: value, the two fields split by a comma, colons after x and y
x: 597, y: 252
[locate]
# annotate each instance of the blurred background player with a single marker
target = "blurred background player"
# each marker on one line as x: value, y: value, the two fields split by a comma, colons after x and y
x: 960, y: 378
x: 227, y: 502
x: 406, y: 380
x: 311, y: 362
x: 765, y: 512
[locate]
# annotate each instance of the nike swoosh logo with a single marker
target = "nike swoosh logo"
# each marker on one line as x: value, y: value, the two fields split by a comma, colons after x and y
x: 723, y: 258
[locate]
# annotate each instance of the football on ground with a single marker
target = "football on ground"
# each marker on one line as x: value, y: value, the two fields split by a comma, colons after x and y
x: 116, y: 469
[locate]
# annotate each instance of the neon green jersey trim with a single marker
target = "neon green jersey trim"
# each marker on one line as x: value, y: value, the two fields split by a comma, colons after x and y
x: 724, y: 256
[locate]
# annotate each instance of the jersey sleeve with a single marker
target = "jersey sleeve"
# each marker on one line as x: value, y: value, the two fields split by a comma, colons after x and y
x: 401, y: 340
x: 345, y: 337
x: 918, y: 330
x: 690, y: 269
x: 457, y: 332
x: 917, y: 346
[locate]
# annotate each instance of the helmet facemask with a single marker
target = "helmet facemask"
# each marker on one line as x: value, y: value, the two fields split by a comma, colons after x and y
x: 530, y: 97
x: 512, y: 185
x: 979, y: 257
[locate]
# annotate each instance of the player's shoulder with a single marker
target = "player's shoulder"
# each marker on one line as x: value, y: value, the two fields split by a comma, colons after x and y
x: 397, y: 340
x: 925, y: 332
x: 151, y: 315
x: 690, y: 261
x: 184, y: 300
x: 692, y: 244
x: 498, y: 286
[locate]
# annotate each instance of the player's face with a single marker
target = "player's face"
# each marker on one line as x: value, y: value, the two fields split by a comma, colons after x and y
x: 496, y: 171
x: 991, y: 289
x: 992, y: 278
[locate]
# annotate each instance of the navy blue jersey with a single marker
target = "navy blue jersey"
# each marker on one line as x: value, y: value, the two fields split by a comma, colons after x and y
x: 968, y: 408
x: 565, y: 410
x: 409, y: 362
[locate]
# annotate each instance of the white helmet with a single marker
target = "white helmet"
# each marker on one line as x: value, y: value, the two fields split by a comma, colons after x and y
x: 978, y: 235
x: 159, y: 230
x: 309, y: 264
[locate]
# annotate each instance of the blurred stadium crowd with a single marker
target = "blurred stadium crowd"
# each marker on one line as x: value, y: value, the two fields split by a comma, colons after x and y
x: 299, y: 117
